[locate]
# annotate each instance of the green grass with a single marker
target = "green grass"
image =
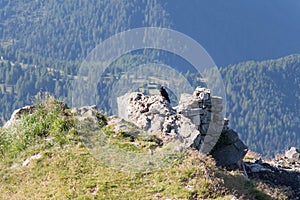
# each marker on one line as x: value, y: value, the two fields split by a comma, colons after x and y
x: 67, y: 169
x: 127, y: 141
x: 50, y: 120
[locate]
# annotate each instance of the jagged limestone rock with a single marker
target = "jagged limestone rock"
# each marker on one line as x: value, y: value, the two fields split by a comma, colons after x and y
x: 187, y: 102
x: 86, y: 112
x: 293, y: 155
x: 195, y: 116
x: 154, y: 115
x: 197, y: 122
x: 229, y: 150
x: 205, y: 111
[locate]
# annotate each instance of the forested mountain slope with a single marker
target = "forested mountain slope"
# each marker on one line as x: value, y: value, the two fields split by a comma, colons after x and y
x: 68, y: 30
x: 42, y: 43
x: 231, y: 31
x: 264, y: 103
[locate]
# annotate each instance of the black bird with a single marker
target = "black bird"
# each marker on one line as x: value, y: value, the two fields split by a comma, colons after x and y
x: 164, y: 93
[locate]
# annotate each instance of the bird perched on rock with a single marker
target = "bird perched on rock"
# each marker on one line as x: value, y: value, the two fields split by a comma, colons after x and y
x: 164, y: 93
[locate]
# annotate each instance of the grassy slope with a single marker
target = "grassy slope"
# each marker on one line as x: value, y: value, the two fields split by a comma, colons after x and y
x: 67, y: 170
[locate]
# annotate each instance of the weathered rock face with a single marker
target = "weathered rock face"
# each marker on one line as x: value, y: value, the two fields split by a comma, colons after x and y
x: 154, y: 115
x: 88, y: 117
x: 17, y: 115
x: 197, y: 122
x: 290, y: 160
x: 293, y: 155
x: 86, y: 112
x: 205, y: 111
x: 229, y: 150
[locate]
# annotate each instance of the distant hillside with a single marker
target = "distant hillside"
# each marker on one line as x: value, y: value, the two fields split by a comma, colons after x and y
x: 264, y: 103
x: 39, y: 31
x: 233, y: 31
x: 42, y: 43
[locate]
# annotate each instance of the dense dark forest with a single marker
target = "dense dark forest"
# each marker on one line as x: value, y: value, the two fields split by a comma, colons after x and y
x: 263, y: 102
x: 43, y: 43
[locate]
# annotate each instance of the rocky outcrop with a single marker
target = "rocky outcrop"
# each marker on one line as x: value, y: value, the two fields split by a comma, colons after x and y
x: 283, y: 170
x: 205, y: 111
x: 290, y: 160
x: 197, y: 122
x: 293, y: 155
x: 86, y: 112
x: 17, y: 115
x: 155, y: 115
x: 229, y: 150
x: 88, y: 116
